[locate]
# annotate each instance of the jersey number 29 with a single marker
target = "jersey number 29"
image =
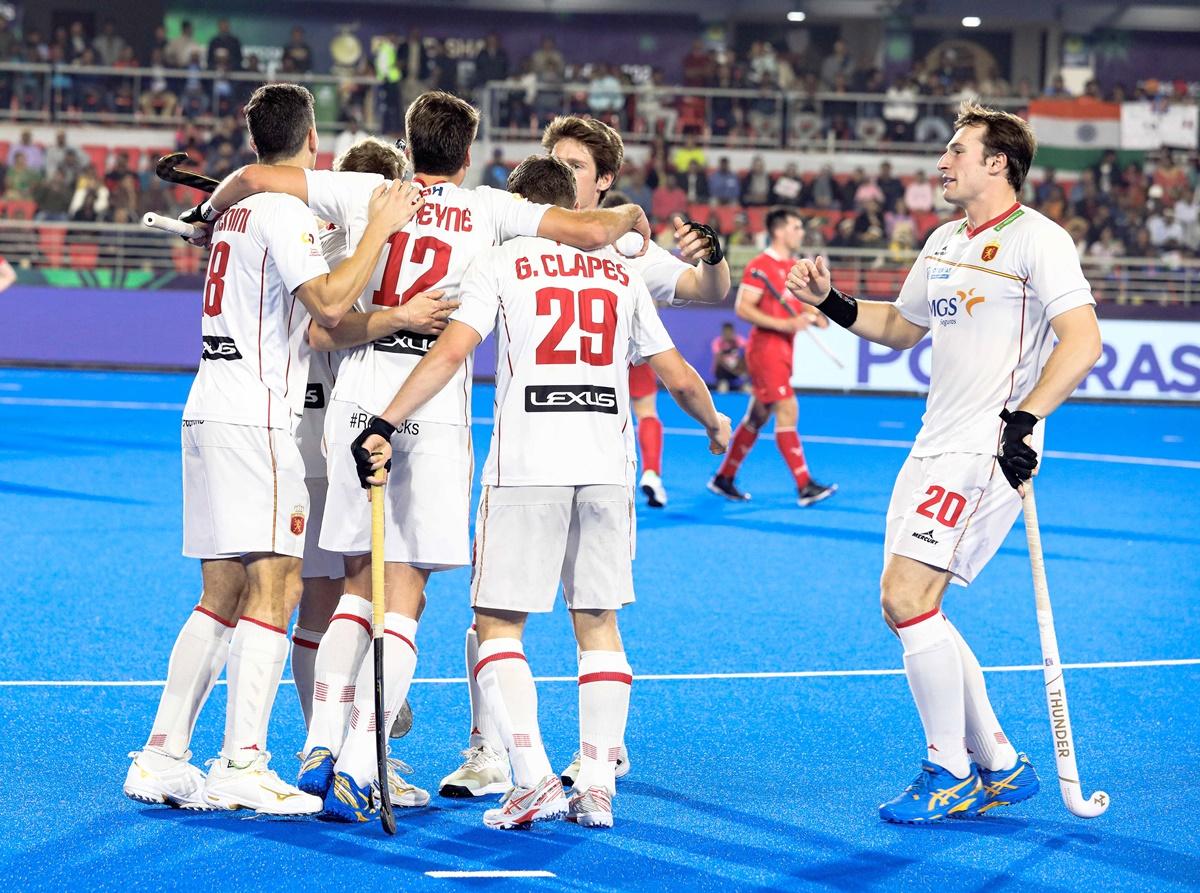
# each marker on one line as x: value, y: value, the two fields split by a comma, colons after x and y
x: 597, y: 318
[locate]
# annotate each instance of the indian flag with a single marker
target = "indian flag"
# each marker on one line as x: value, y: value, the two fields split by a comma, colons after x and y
x: 1072, y: 134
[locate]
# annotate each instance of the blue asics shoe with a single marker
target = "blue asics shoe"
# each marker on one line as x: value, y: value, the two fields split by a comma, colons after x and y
x: 347, y: 802
x: 934, y: 794
x: 1004, y: 787
x: 316, y: 772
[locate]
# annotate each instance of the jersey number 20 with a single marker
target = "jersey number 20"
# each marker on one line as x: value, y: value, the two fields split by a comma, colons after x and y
x: 597, y: 318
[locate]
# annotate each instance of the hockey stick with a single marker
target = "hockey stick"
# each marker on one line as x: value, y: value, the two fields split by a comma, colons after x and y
x: 762, y: 277
x: 1052, y: 674
x: 386, y: 816
x: 170, y: 225
x: 168, y: 169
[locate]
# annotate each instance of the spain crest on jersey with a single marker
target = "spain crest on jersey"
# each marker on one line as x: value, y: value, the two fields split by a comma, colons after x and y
x: 990, y: 250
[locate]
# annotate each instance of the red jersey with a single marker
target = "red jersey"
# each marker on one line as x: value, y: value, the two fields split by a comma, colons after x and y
x: 776, y: 270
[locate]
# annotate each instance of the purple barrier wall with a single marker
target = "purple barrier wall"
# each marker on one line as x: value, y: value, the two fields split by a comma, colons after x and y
x: 162, y: 328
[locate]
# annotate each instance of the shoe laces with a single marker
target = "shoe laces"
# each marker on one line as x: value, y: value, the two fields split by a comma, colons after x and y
x: 478, y: 756
x: 399, y: 766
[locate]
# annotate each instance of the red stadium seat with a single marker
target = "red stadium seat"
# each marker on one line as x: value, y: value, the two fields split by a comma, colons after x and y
x: 98, y: 156
x: 4, y: 144
x: 131, y: 153
x: 185, y: 258
x: 52, y: 243
x: 84, y: 256
x: 20, y: 210
x: 756, y: 219
x: 699, y: 213
x: 724, y: 216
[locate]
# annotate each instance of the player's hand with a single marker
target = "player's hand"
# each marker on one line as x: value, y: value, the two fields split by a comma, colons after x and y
x: 203, y: 235
x: 641, y: 226
x: 393, y: 204
x: 372, y: 452
x: 425, y: 313
x: 810, y: 280
x: 1018, y: 460
x: 696, y: 241
x: 718, y: 437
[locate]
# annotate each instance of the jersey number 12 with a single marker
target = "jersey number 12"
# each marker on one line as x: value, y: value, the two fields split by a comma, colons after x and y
x: 385, y: 295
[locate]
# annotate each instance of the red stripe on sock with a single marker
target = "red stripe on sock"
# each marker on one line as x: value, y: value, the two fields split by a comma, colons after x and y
x: 304, y: 643
x: 606, y: 677
x: 217, y: 617
x: 274, y: 629
x: 404, y: 639
x: 650, y: 439
x: 919, y: 618
x: 503, y: 655
x: 361, y: 621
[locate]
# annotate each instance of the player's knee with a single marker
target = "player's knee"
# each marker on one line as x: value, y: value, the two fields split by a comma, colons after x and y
x: 786, y: 413
x: 901, y: 600
x: 596, y: 630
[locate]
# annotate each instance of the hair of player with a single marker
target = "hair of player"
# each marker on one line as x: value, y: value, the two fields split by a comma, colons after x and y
x: 545, y: 180
x: 777, y: 217
x: 602, y: 142
x: 1003, y: 134
x: 371, y: 155
x: 279, y: 117
x: 440, y: 128
x: 615, y: 197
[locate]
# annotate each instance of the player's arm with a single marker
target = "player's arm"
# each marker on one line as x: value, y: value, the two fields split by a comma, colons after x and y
x: 7, y: 275
x: 746, y: 307
x: 1079, y: 347
x: 589, y: 230
x: 330, y: 296
x: 688, y: 389
x: 708, y: 281
x: 425, y: 313
x: 878, y: 321
x: 372, y: 448
x: 255, y: 178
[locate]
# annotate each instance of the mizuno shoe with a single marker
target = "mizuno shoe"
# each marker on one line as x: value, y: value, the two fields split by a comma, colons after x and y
x: 1003, y: 787
x: 347, y: 802
x: 316, y: 772
x: 934, y: 794
x: 400, y: 792
x: 155, y: 777
x: 253, y: 785
x: 521, y: 807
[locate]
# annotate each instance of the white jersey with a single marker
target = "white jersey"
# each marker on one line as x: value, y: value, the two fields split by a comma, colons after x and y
x: 567, y: 322
x: 254, y: 364
x: 322, y: 373
x: 432, y: 252
x: 988, y: 296
x: 660, y: 270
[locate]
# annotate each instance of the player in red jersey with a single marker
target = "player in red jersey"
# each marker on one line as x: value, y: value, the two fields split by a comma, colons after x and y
x: 762, y: 301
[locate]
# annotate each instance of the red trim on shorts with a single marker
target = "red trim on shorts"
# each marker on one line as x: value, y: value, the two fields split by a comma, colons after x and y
x: 972, y: 233
x: 920, y: 617
x: 501, y: 655
x: 407, y: 641
x: 304, y: 643
x: 217, y: 617
x: 606, y: 677
x: 361, y: 621
x: 264, y: 625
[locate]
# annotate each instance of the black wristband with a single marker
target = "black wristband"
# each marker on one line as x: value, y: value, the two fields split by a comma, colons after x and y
x: 840, y: 307
x: 382, y: 427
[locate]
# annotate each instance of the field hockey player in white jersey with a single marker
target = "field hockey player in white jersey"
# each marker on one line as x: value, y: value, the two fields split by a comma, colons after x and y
x: 556, y: 502
x: 432, y: 478
x: 245, y: 502
x: 995, y: 289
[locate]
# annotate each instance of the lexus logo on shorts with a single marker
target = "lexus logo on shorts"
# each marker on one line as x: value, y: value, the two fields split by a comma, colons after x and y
x: 314, y: 396
x: 409, y: 343
x: 219, y: 347
x: 570, y: 398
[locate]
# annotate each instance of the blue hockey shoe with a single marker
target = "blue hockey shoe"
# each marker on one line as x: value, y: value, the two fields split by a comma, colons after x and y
x: 935, y: 794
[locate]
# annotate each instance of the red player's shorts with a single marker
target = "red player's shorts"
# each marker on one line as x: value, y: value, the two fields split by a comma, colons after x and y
x: 770, y: 364
x: 642, y: 382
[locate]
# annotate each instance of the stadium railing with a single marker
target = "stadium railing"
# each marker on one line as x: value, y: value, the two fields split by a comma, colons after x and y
x: 56, y: 252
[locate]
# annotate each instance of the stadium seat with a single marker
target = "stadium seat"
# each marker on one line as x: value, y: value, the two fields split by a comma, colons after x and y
x: 185, y: 258
x: 724, y: 216
x: 52, y: 241
x: 84, y: 256
x: 131, y: 153
x: 4, y: 144
x: 98, y: 156
x: 700, y: 213
x: 20, y: 210
x: 756, y: 219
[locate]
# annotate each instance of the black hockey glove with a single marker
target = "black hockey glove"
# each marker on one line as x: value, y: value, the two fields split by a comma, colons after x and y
x: 362, y: 459
x: 715, y: 254
x: 1017, y: 458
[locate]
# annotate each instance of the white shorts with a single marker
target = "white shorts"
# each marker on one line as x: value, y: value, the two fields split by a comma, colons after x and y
x: 428, y: 506
x: 951, y: 511
x: 529, y: 538
x: 317, y: 561
x: 243, y: 491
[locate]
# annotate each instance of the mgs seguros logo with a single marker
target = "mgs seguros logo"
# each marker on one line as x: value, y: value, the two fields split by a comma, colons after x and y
x: 946, y: 310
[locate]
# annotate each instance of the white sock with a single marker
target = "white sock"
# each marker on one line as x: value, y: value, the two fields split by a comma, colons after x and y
x: 358, y: 758
x: 197, y: 657
x: 343, y: 647
x: 305, y: 643
x: 508, y: 691
x: 935, y: 676
x: 605, y: 679
x: 257, y: 654
x: 986, y: 740
x: 483, y: 728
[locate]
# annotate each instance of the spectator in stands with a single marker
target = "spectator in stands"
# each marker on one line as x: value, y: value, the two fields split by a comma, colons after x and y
x: 723, y: 184
x: 77, y: 41
x: 108, y: 43
x: 843, y: 235
x: 788, y: 188
x: 53, y: 196
x: 756, y: 185
x: 180, y: 50
x: 351, y: 134
x: 125, y: 196
x: 225, y: 48
x: 550, y: 69
x: 726, y: 113
x: 1077, y: 228
x: 690, y: 151
x: 21, y: 179
x: 699, y: 66
x: 415, y: 67
x: 1057, y: 89
x: 491, y: 63
x: 158, y: 100
x: 668, y: 198
x: 1106, y: 173
x: 119, y: 170
x: 870, y: 230
x: 741, y: 236
x: 34, y: 155
x: 90, y: 202
x: 298, y: 51
x: 890, y: 186
x: 824, y: 189
x: 694, y: 183
x: 868, y: 190
x: 898, y: 216
x: 1105, y: 249
x: 10, y: 45
x: 496, y: 173
x: 1187, y: 212
x: 443, y: 71
x: 729, y: 360
x: 633, y: 184
x: 1170, y: 175
x: 655, y: 105
x: 837, y: 64
x: 900, y: 110
x: 1164, y: 230
x: 918, y: 195
x: 848, y: 189
x: 604, y: 97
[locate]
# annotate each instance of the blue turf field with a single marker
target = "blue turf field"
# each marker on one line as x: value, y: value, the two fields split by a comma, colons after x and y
x: 762, y: 781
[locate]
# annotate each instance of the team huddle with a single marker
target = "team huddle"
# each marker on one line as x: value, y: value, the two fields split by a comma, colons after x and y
x: 341, y: 311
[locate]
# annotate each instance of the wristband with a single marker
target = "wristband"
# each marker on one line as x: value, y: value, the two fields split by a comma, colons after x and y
x: 207, y: 212
x: 840, y: 307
